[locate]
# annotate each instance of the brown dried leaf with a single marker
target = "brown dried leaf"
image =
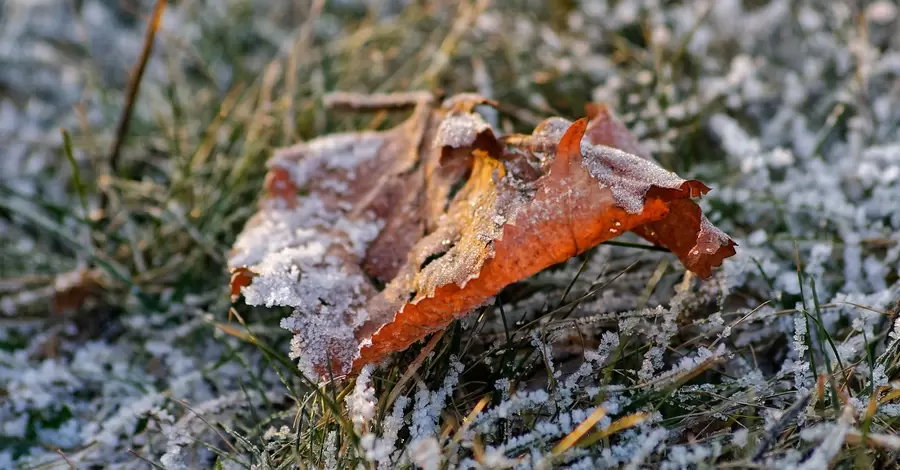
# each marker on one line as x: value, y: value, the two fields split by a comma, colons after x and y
x: 378, y: 238
x: 73, y: 289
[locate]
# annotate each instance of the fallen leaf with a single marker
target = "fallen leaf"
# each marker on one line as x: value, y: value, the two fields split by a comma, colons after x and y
x: 71, y: 290
x: 377, y: 239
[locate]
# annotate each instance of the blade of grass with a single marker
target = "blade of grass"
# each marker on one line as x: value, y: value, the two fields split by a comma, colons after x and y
x: 134, y: 84
x: 620, y: 424
x: 579, y: 431
x: 76, y: 172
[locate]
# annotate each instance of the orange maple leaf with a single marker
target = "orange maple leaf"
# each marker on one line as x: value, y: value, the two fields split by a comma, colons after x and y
x: 379, y: 238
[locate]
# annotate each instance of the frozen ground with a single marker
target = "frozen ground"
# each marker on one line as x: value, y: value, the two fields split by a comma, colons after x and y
x: 787, y: 358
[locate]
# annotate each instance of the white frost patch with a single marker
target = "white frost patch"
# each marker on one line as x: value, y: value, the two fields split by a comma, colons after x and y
x: 648, y: 444
x: 381, y: 450
x: 460, y: 130
x: 739, y: 437
x: 689, y: 364
x: 361, y: 403
x: 320, y: 338
x: 330, y: 451
x: 278, y: 228
x: 426, y: 453
x: 301, y: 256
x: 428, y: 405
x: 832, y: 444
x: 552, y: 128
x: 309, y: 160
x: 627, y: 176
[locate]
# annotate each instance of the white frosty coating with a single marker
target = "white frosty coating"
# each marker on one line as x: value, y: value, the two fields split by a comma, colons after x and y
x: 647, y: 445
x: 359, y: 233
x: 460, y: 130
x: 427, y: 409
x: 379, y: 450
x: 302, y: 256
x: 343, y: 151
x: 553, y: 128
x: 832, y: 444
x: 628, y: 176
x: 279, y: 228
x: 426, y: 453
x: 688, y: 364
x: 361, y: 403
x: 547, y: 135
x: 304, y: 278
x: 298, y: 270
x: 739, y: 437
x: 275, y: 229
x: 337, y: 186
x: 331, y: 451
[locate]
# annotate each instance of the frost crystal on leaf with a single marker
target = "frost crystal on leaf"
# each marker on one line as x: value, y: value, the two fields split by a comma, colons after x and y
x: 628, y: 176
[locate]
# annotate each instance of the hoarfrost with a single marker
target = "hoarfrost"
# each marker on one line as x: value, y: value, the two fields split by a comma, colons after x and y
x: 628, y: 176
x: 831, y: 445
x: 426, y: 453
x: 361, y: 402
x: 460, y: 130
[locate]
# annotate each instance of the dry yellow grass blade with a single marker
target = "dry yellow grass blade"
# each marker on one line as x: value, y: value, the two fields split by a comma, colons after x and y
x: 683, y: 376
x: 581, y: 430
x: 875, y: 440
x: 892, y: 395
x: 230, y: 330
x: 413, y: 367
x: 620, y: 424
x: 871, y: 408
x: 470, y: 417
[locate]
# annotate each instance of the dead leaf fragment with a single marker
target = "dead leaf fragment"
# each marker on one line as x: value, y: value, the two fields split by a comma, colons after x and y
x: 71, y: 290
x: 377, y: 239
x: 686, y: 232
